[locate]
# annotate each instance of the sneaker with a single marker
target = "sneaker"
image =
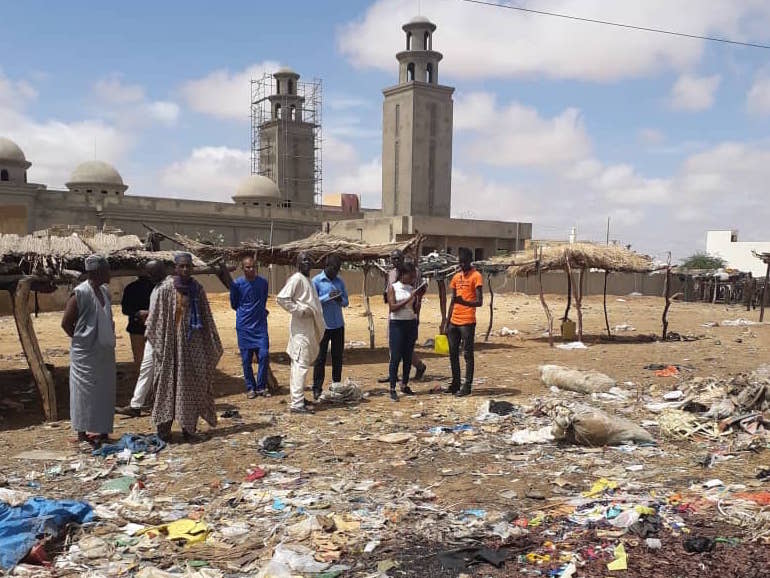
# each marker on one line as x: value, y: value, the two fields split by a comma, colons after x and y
x: 420, y: 373
x: 406, y: 390
x: 452, y: 389
x: 317, y: 393
x: 466, y: 390
x: 304, y: 410
x: 251, y: 394
x: 263, y: 393
x: 129, y: 411
x: 393, y: 395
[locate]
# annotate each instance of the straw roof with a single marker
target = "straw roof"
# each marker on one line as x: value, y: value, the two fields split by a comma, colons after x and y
x: 51, y: 255
x: 579, y: 255
x: 318, y: 246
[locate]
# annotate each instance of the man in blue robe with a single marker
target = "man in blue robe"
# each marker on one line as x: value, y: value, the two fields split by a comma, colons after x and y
x: 248, y: 297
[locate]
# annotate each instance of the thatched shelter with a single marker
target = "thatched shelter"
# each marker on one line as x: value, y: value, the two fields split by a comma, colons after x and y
x: 41, y: 262
x: 566, y: 257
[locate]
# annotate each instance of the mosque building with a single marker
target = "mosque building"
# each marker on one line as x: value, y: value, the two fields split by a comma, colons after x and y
x: 280, y: 201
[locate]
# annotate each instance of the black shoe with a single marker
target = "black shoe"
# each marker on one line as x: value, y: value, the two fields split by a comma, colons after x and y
x: 251, y: 394
x: 304, y: 410
x: 128, y: 411
x: 406, y: 390
x: 420, y: 373
x: 452, y: 389
x: 466, y: 390
x: 317, y: 393
x: 164, y: 432
x: 393, y: 394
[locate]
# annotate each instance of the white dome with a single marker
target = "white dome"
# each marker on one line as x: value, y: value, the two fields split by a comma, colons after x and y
x: 257, y: 186
x: 420, y: 20
x: 10, y: 151
x: 95, y: 172
x: 286, y: 70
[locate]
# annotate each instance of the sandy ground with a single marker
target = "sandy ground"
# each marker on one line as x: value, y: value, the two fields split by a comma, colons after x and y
x: 344, y: 438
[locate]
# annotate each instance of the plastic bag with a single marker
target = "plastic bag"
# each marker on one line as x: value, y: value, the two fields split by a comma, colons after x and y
x: 594, y: 428
x: 575, y: 379
x: 441, y: 345
x: 292, y: 558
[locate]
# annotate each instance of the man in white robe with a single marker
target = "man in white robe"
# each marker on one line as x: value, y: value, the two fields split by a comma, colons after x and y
x: 306, y: 328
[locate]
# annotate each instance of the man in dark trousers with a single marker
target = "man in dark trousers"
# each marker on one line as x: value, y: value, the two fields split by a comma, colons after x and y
x: 467, y: 286
x: 135, y: 305
x: 333, y: 296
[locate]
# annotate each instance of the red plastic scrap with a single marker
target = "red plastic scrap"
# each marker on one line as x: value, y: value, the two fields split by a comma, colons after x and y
x: 668, y: 371
x: 255, y: 474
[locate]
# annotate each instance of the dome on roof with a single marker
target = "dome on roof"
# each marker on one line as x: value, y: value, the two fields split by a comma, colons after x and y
x: 420, y: 20
x: 256, y: 186
x: 10, y: 151
x: 286, y: 70
x: 95, y: 172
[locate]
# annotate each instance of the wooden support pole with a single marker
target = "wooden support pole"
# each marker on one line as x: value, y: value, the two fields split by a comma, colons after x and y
x: 367, y: 307
x: 491, y: 306
x: 31, y: 348
x: 764, y: 294
x: 441, y: 282
x: 545, y: 306
x: 667, y: 294
x: 569, y: 294
x: 606, y: 316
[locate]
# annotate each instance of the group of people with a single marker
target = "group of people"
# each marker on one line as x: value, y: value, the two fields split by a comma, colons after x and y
x: 176, y: 345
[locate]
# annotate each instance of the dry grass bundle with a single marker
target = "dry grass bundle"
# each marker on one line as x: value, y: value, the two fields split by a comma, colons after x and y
x: 579, y: 256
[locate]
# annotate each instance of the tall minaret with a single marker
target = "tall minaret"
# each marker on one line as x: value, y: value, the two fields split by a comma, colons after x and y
x: 417, y: 130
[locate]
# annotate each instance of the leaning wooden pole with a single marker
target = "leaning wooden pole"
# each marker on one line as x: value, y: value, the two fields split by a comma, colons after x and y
x: 545, y: 305
x: 367, y: 307
x: 441, y: 282
x: 491, y: 306
x: 764, y: 294
x: 31, y: 348
x: 606, y: 316
x: 667, y: 294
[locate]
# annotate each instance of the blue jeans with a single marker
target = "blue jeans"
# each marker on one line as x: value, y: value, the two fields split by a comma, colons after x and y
x: 247, y: 357
x: 402, y: 335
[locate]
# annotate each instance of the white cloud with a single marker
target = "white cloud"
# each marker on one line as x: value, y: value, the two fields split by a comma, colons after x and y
x: 163, y: 111
x: 516, y: 135
x: 208, y: 173
x: 694, y: 93
x: 363, y: 179
x: 128, y: 105
x: 336, y: 150
x: 651, y: 136
x: 113, y: 90
x: 758, y: 97
x: 487, y: 42
x: 225, y: 94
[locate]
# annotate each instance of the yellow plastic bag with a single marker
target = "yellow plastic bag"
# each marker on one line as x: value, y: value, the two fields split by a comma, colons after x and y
x: 441, y: 345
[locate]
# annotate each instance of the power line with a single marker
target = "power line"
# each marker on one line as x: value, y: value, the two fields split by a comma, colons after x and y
x: 621, y: 25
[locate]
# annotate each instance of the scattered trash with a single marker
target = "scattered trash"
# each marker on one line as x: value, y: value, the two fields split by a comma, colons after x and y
x: 342, y: 392
x: 621, y: 559
x: 740, y: 322
x: 231, y: 414
x: 135, y: 443
x: 575, y: 379
x: 529, y: 436
x: 255, y: 474
x: 624, y: 327
x: 505, y: 332
x: 572, y: 345
x: 271, y: 444
x: 396, y: 438
x: 698, y: 545
x: 673, y: 395
x: 653, y: 543
x: 591, y: 427
x: 668, y: 371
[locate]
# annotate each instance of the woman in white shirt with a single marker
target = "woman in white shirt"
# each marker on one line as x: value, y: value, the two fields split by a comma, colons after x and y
x: 402, y: 329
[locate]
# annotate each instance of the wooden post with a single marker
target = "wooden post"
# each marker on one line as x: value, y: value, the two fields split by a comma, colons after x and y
x: 606, y: 317
x: 491, y: 305
x: 578, y: 291
x: 367, y: 307
x: 667, y: 294
x: 441, y: 282
x: 31, y: 348
x: 764, y: 294
x: 545, y: 306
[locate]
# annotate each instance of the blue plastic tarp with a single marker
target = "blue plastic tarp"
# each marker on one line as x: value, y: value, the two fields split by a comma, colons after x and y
x: 22, y: 526
x: 137, y: 443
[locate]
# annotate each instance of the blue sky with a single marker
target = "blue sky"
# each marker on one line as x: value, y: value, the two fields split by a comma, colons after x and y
x: 556, y: 122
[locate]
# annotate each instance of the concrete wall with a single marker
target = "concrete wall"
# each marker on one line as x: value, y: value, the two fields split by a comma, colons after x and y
x: 737, y: 253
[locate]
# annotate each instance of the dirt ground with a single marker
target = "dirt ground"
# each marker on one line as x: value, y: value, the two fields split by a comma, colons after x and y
x: 465, y: 471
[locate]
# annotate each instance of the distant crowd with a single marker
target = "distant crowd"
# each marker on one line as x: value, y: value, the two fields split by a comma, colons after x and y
x: 176, y: 345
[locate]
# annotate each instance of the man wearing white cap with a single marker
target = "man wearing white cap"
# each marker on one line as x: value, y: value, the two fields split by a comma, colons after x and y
x: 186, y: 349
x: 88, y: 321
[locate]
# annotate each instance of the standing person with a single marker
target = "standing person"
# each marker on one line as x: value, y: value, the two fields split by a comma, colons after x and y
x: 186, y: 347
x: 306, y: 327
x: 135, y: 305
x: 88, y: 321
x: 467, y: 287
x: 248, y: 297
x: 402, y: 327
x: 396, y: 260
x: 333, y: 297
x: 156, y: 273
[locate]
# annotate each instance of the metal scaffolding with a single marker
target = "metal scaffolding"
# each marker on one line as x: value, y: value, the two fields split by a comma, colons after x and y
x: 262, y: 116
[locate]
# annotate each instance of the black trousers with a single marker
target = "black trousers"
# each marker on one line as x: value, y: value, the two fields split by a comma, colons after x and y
x: 465, y: 335
x: 337, y: 338
x: 402, y: 335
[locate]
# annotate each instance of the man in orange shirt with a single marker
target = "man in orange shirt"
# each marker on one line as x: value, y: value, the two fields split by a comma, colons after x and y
x: 467, y: 296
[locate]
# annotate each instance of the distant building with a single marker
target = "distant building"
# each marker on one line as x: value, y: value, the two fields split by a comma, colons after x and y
x: 417, y: 163
x: 737, y: 254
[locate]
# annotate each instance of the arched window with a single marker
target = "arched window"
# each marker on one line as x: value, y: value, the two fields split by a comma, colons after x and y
x: 427, y: 41
x: 277, y: 110
x: 408, y: 40
x: 410, y: 72
x: 4, y: 175
x: 429, y: 73
x: 293, y: 112
x: 104, y: 192
x: 291, y: 86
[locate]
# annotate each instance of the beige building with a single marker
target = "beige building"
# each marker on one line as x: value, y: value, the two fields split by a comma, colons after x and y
x: 417, y: 163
